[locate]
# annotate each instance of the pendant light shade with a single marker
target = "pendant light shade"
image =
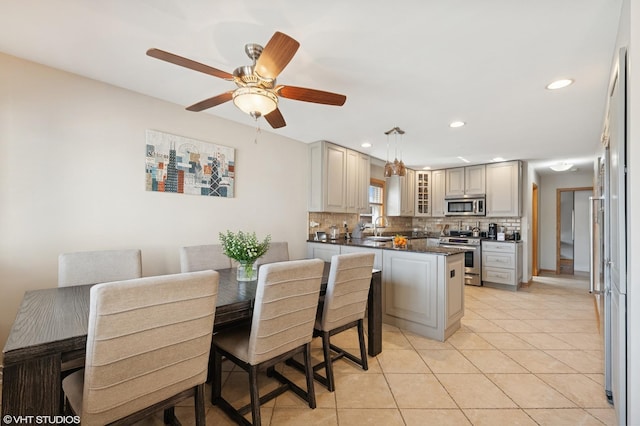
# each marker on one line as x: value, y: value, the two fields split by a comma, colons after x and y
x: 397, y: 168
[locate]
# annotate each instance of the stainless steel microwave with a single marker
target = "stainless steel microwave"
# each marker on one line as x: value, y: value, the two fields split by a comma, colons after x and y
x: 465, y: 206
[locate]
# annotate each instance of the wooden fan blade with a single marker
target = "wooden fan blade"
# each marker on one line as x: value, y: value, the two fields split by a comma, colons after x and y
x: 276, y: 55
x: 275, y: 119
x: 188, y: 63
x: 211, y: 102
x: 311, y: 95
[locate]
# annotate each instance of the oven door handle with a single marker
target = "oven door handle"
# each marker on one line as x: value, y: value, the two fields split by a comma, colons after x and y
x: 458, y: 246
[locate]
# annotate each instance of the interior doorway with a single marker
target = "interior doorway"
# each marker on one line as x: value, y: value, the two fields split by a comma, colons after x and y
x: 572, y: 230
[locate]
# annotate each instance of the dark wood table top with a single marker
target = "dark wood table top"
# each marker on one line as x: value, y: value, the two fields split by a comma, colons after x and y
x: 56, y: 319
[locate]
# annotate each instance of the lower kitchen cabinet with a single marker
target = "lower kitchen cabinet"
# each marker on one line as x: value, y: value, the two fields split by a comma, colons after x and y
x: 322, y: 251
x: 377, y: 260
x: 423, y: 293
x: 502, y: 264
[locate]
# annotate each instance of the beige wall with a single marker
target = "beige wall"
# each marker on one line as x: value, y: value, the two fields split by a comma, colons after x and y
x: 72, y: 178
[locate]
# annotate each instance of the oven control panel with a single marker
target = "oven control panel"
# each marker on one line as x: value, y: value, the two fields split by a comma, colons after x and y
x: 463, y: 241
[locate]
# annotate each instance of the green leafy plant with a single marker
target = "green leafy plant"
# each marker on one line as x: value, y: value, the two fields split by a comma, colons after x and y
x: 244, y: 246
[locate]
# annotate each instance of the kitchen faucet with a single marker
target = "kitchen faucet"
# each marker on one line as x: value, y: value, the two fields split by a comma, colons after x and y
x: 382, y: 225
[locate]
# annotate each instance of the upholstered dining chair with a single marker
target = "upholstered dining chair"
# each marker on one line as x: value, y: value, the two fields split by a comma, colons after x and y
x: 148, y: 346
x: 343, y: 307
x: 201, y: 258
x: 281, y: 327
x: 278, y: 252
x: 91, y: 267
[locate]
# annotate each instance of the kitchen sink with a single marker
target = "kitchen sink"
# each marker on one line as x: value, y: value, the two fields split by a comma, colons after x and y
x: 380, y: 238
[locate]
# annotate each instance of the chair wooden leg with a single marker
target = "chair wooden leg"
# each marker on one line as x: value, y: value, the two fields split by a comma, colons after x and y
x: 199, y: 406
x: 311, y: 390
x: 328, y: 362
x: 169, y: 417
x: 363, y: 349
x: 255, y: 397
x: 215, y: 371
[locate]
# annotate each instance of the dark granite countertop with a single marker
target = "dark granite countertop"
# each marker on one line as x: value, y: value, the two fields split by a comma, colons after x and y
x: 416, y: 245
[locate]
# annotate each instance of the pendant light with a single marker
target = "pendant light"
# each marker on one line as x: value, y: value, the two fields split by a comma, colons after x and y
x: 397, y: 168
x: 388, y: 167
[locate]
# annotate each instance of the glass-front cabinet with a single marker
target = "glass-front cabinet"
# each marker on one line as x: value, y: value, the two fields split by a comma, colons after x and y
x: 423, y: 193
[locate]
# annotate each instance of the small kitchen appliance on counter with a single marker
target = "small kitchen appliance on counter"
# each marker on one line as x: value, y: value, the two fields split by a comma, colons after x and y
x: 493, y: 231
x: 334, y: 232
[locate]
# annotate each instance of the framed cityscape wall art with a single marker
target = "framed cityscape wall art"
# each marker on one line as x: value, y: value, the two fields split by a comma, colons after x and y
x: 188, y: 166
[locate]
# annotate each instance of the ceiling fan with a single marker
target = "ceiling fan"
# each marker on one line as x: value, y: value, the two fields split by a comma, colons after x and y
x: 257, y: 93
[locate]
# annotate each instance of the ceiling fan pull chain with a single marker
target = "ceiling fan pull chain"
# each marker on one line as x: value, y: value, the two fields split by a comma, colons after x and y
x: 258, y: 131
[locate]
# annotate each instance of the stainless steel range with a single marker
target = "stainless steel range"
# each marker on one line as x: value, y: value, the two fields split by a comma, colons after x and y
x: 472, y: 257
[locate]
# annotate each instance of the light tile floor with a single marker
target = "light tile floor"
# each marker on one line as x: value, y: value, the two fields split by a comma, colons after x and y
x: 532, y: 357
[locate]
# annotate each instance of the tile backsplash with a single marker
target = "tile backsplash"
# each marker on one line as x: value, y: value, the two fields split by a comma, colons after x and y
x: 510, y: 224
x: 324, y: 222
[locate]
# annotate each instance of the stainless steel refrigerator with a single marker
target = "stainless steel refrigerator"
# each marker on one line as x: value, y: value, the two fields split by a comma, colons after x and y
x: 609, y: 242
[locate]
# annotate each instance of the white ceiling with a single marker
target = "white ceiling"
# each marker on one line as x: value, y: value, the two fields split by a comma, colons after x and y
x: 416, y: 64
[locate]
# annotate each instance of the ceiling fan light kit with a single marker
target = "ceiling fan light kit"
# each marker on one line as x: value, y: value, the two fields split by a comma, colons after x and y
x: 255, y: 101
x: 257, y: 93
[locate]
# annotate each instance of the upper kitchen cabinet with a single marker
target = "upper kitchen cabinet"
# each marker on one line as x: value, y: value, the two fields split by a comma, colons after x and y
x: 409, y: 199
x: 438, y: 189
x: 358, y: 176
x: 339, y: 179
x: 463, y: 181
x: 401, y: 194
x: 504, y: 198
x: 423, y: 193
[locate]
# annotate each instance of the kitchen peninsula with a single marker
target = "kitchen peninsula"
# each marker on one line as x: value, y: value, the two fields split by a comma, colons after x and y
x: 422, y: 285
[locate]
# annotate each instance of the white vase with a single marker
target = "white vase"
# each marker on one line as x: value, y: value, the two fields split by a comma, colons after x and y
x: 247, y: 271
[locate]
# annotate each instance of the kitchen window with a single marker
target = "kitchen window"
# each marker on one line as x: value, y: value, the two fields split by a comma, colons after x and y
x: 376, y: 198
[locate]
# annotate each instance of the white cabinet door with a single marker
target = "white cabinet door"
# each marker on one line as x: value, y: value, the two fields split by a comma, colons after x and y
x: 437, y: 193
x: 322, y: 251
x: 335, y: 178
x: 474, y: 180
x: 364, y: 177
x: 377, y: 261
x: 503, y: 189
x: 352, y: 180
x: 455, y: 182
x: 410, y: 286
x: 455, y: 290
x: 409, y: 193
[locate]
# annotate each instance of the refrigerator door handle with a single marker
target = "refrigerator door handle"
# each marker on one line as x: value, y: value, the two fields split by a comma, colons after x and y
x: 592, y: 277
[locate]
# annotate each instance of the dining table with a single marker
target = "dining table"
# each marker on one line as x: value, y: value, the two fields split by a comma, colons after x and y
x: 51, y: 328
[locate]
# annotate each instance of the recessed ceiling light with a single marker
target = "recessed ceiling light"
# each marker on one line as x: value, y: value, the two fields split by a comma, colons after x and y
x: 426, y: 168
x: 561, y: 167
x: 455, y: 124
x: 497, y: 159
x: 559, y: 84
x: 366, y: 145
x: 464, y: 159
